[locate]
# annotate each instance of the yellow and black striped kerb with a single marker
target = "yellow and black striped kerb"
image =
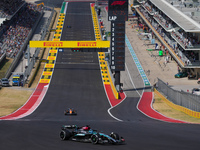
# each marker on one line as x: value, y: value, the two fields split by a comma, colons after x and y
x: 103, y: 64
x: 49, y: 66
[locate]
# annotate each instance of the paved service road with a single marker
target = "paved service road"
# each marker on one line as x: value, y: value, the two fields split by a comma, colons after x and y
x: 77, y: 83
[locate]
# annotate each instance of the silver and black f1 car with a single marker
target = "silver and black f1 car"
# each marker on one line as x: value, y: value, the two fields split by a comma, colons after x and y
x: 70, y: 111
x: 86, y: 134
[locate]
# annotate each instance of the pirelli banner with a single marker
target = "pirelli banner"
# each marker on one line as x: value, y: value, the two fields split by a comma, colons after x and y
x: 70, y: 44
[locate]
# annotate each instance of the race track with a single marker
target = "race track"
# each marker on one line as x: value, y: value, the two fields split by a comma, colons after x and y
x: 77, y: 83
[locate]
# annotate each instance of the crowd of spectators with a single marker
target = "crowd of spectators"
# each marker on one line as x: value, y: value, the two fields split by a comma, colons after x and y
x: 17, y: 31
x: 167, y: 24
x: 187, y: 40
x: 9, y: 7
x: 148, y: 7
x: 162, y: 18
x: 146, y: 15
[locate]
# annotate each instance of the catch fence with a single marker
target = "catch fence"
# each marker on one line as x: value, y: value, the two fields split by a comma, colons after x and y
x: 182, y: 98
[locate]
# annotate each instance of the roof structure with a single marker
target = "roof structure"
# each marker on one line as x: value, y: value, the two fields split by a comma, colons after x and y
x: 182, y: 20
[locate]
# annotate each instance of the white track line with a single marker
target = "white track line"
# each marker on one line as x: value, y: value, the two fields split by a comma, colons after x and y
x: 132, y: 81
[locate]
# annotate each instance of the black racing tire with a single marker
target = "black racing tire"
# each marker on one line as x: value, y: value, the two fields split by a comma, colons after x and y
x: 65, y: 135
x: 94, y: 139
x: 114, y: 136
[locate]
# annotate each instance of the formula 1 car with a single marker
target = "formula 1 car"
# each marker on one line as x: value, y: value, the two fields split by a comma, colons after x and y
x: 70, y: 111
x: 86, y: 134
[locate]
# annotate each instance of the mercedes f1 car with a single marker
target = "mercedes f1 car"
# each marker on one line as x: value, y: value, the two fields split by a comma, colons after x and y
x: 70, y: 111
x: 86, y: 134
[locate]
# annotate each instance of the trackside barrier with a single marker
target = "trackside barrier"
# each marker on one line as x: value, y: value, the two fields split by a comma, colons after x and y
x: 182, y: 98
x: 45, y: 35
x: 178, y: 107
x: 103, y: 64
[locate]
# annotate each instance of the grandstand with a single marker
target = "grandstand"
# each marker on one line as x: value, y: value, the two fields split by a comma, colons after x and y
x: 16, y: 21
x: 14, y: 31
x: 9, y: 7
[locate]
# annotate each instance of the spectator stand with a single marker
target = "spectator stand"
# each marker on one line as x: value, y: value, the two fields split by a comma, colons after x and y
x: 8, y: 8
x: 19, y: 32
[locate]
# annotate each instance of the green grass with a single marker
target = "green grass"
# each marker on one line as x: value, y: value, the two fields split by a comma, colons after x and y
x: 162, y: 107
x: 4, y: 67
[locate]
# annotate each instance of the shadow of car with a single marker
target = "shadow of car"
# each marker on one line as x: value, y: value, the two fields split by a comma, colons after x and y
x: 181, y: 75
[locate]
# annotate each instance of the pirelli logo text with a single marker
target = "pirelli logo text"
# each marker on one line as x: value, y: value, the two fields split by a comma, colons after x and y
x: 53, y: 44
x: 86, y: 44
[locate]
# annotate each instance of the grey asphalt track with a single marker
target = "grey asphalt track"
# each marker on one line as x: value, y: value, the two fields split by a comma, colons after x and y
x: 77, y: 83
